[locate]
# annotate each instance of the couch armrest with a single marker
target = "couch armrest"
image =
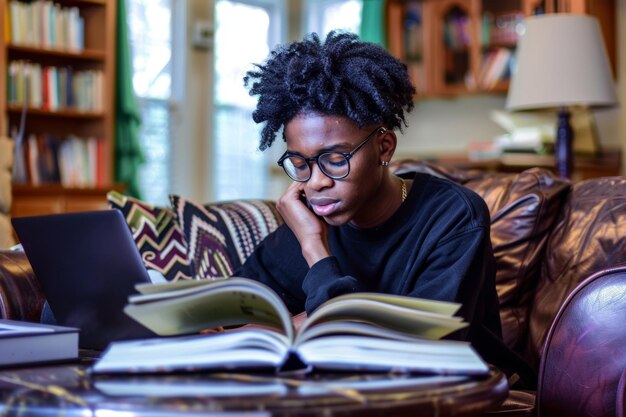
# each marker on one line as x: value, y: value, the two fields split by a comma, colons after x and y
x: 584, y: 356
x: 21, y: 297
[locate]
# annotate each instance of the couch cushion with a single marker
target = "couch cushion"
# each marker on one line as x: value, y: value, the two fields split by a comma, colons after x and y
x: 523, y: 209
x: 589, y: 235
x: 221, y: 236
x: 157, y: 235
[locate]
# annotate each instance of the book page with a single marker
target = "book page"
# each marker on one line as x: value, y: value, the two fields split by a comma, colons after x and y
x: 351, y: 327
x: 155, y: 292
x: 362, y: 353
x: 391, y: 316
x: 235, y: 301
x: 238, y: 349
x: 445, y: 308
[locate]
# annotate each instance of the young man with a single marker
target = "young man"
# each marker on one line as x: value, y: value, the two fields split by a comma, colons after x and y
x: 350, y: 224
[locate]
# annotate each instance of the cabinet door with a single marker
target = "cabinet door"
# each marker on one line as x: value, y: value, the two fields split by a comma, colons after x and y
x: 502, y: 23
x: 409, y: 37
x: 455, y: 42
x: 37, y: 205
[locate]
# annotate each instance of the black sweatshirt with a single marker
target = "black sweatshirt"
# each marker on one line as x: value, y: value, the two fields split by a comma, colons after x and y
x: 435, y: 246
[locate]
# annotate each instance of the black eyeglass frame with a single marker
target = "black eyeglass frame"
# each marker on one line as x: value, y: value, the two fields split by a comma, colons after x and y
x: 346, y: 155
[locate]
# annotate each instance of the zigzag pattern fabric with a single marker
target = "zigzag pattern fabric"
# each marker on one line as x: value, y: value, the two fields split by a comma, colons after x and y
x: 157, y: 235
x: 220, y: 236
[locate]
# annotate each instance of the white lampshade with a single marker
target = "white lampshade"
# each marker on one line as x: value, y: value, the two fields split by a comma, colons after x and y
x: 561, y: 61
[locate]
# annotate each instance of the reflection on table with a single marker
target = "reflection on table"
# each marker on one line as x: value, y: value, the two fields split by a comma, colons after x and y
x: 69, y: 390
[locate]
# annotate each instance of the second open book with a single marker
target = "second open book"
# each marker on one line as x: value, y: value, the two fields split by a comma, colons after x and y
x: 361, y: 331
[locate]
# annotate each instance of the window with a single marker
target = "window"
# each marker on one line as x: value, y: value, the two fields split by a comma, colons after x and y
x: 240, y: 169
x: 322, y: 16
x: 150, y: 37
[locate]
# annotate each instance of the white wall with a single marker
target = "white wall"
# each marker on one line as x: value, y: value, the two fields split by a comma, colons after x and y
x: 446, y: 125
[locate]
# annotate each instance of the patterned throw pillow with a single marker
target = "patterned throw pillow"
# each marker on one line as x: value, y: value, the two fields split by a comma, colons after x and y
x: 221, y: 236
x: 157, y: 235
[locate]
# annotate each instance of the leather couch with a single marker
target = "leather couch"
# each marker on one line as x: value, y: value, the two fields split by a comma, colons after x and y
x: 558, y: 248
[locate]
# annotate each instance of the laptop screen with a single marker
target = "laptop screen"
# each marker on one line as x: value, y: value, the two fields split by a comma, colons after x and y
x: 87, y: 264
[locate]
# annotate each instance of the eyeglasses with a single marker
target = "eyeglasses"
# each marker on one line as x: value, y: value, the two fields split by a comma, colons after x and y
x: 335, y: 165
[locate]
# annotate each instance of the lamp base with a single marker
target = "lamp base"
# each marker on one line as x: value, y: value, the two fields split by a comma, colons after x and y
x: 563, y: 152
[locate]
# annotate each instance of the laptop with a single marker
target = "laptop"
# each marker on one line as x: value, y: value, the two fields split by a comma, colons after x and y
x: 87, y: 264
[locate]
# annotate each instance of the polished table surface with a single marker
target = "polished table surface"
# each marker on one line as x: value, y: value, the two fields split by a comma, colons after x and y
x: 69, y: 390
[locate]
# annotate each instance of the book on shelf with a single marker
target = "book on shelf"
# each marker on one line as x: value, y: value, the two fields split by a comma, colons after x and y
x: 354, y: 332
x: 495, y: 67
x: 45, y: 24
x: 413, y: 32
x: 457, y: 30
x: 27, y: 343
x: 53, y: 88
x: 71, y: 161
x: 501, y: 28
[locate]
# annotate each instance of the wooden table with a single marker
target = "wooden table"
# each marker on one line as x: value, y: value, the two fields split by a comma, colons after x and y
x: 605, y: 164
x: 69, y: 390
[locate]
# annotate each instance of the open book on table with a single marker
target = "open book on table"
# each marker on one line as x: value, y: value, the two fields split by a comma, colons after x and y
x: 354, y: 332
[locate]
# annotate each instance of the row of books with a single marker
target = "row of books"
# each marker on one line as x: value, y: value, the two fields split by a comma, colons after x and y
x: 71, y: 161
x: 457, y: 31
x: 502, y: 29
x: 54, y: 88
x: 413, y: 32
x: 45, y: 24
x: 505, y: 28
x: 496, y: 67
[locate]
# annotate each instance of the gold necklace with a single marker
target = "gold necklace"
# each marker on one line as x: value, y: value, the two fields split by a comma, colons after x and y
x: 403, y: 189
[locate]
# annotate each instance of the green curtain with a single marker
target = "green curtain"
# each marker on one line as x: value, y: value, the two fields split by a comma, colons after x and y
x: 128, y: 152
x: 373, y: 22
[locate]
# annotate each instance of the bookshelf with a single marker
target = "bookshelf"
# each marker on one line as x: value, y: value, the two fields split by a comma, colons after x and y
x: 460, y: 47
x: 58, y: 62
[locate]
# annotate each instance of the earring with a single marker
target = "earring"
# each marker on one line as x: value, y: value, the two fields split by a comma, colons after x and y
x: 384, y: 163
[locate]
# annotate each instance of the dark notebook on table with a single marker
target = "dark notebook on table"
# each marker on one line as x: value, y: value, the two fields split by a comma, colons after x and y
x: 87, y: 264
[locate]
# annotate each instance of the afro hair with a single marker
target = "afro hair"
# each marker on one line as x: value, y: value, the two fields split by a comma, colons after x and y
x: 343, y: 76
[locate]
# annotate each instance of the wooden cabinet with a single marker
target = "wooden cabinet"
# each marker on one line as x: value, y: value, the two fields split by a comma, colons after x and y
x: 58, y: 63
x: 453, y: 61
x: 53, y: 199
x: 454, y: 47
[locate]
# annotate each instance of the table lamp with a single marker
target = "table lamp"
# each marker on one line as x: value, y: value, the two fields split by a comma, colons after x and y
x: 561, y: 62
